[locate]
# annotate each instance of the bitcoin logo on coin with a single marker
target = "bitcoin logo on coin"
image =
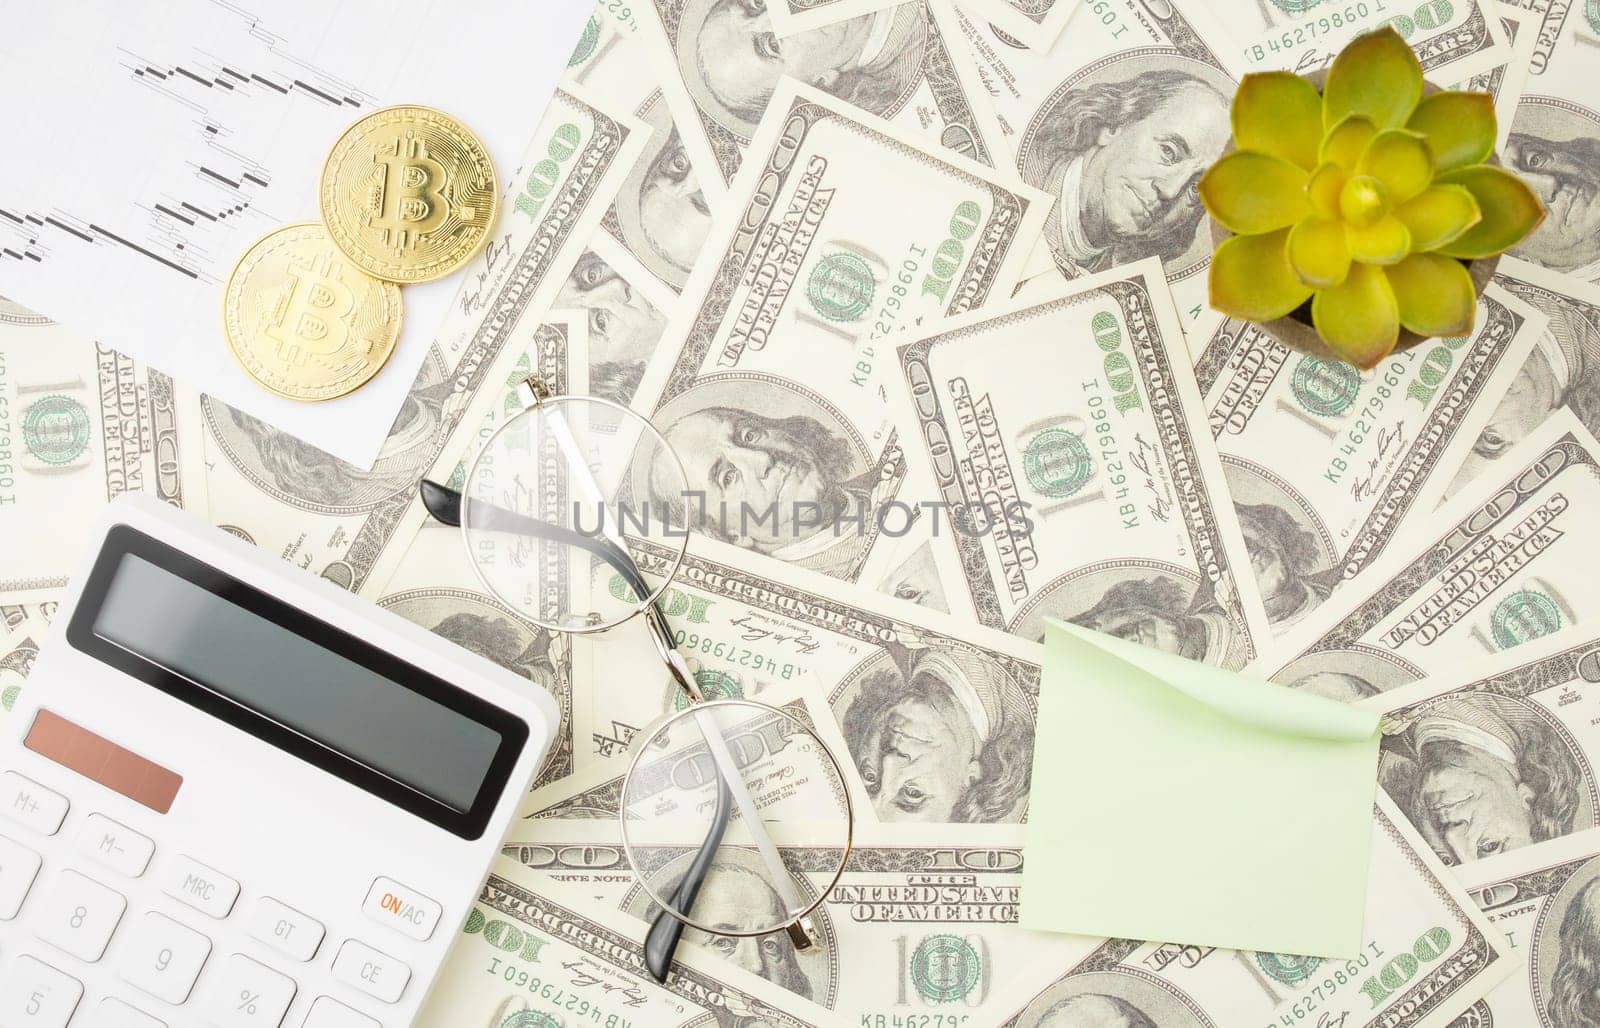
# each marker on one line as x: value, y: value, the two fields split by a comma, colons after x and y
x: 303, y: 320
x: 408, y: 194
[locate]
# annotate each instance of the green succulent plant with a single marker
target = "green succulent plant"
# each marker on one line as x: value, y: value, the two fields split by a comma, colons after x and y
x: 1366, y: 199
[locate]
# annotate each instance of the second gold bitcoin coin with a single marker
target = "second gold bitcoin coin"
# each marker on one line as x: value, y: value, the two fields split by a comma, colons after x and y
x: 408, y: 193
x: 303, y: 320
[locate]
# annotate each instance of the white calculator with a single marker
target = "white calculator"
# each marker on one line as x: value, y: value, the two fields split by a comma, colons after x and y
x: 232, y: 794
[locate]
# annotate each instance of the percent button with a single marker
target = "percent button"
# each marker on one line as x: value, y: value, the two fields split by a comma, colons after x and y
x: 250, y: 995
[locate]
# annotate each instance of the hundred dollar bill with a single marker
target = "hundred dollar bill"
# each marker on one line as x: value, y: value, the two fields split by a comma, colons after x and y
x: 1093, y: 493
x: 922, y: 922
x: 663, y: 208
x: 1507, y: 561
x: 81, y: 424
x: 1453, y: 39
x: 435, y: 585
x: 903, y: 63
x: 1116, y: 122
x: 352, y: 526
x: 936, y: 714
x: 1498, y: 754
x: 1563, y: 370
x: 19, y: 646
x: 1325, y: 464
x: 1546, y: 901
x: 1428, y: 954
x: 771, y: 392
x: 1555, y: 140
x: 534, y: 953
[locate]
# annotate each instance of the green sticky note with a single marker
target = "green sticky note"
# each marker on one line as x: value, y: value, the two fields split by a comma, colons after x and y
x: 1177, y: 802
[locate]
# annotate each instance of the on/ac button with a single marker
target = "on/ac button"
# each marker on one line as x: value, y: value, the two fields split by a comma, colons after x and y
x: 404, y: 909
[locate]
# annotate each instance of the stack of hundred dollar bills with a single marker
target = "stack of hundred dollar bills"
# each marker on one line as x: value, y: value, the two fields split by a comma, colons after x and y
x: 944, y: 263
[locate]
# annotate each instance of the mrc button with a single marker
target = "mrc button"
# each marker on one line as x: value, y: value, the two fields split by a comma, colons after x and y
x: 209, y: 891
x: 405, y: 910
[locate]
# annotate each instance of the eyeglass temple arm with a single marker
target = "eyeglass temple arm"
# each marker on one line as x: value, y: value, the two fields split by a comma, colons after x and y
x: 444, y: 504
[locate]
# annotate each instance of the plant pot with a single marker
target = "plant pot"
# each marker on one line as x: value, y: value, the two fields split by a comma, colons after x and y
x: 1295, y: 330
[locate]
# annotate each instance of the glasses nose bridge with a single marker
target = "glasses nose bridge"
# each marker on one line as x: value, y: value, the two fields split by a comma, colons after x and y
x: 661, y: 635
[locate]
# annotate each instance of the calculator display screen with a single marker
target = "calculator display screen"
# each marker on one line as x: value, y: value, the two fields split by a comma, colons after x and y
x: 296, y: 682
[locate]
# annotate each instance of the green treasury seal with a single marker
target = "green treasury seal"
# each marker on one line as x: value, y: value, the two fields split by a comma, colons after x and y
x: 586, y: 43
x: 1325, y: 388
x: 1591, y: 14
x: 1056, y: 463
x: 1524, y: 615
x: 714, y: 685
x: 530, y: 1019
x: 841, y: 286
x: 55, y: 429
x: 1288, y: 968
x: 945, y: 968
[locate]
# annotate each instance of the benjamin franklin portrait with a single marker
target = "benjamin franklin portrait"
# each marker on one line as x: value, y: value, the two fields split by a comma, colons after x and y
x: 773, y: 453
x: 1283, y: 557
x: 298, y: 473
x: 1121, y: 152
x: 737, y: 895
x: 734, y: 60
x: 1482, y: 773
x: 661, y: 211
x: 939, y: 736
x: 1557, y: 151
x: 1158, y: 612
x: 1563, y: 370
x: 624, y: 327
x: 1572, y: 916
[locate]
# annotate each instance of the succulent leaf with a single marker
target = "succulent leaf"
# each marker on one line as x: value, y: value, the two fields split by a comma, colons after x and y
x: 1434, y: 295
x: 1460, y: 127
x: 1377, y: 75
x: 1324, y: 188
x: 1251, y: 278
x: 1400, y: 160
x: 1347, y: 141
x: 1385, y: 241
x: 1438, y: 215
x: 1252, y: 192
x: 1358, y: 318
x: 1318, y: 252
x: 1278, y: 113
x: 1510, y: 211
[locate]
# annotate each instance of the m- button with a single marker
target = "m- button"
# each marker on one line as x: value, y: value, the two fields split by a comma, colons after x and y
x: 403, y: 909
x: 207, y: 890
x: 117, y: 846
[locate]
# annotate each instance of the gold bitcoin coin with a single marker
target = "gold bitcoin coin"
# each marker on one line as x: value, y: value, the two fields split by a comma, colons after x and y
x: 408, y: 193
x: 303, y: 320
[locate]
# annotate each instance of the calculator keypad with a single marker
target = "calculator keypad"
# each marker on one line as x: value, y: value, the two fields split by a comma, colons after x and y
x: 19, y: 866
x: 36, y: 995
x: 171, y: 974
x: 80, y: 915
x: 164, y: 958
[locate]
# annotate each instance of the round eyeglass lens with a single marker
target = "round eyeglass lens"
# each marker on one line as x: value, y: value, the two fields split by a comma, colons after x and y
x: 735, y: 818
x: 573, y: 513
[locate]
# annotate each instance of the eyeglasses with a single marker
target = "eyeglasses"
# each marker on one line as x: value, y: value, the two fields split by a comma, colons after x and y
x: 570, y: 484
